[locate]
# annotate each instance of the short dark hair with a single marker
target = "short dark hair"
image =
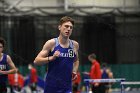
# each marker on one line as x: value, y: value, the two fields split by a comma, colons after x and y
x: 2, y: 41
x: 93, y: 56
x: 104, y: 64
x: 66, y: 19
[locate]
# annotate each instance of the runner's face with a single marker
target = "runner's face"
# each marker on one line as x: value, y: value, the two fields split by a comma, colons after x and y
x: 66, y: 29
x: 1, y: 48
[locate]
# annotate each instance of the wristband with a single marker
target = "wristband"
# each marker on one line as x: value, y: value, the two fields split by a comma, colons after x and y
x: 48, y: 59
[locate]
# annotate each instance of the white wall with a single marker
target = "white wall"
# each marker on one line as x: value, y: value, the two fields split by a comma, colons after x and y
x: 77, y: 2
x: 24, y: 4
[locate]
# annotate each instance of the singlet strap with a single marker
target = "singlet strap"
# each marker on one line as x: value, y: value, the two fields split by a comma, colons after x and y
x: 5, y: 57
x: 56, y: 42
x: 71, y: 44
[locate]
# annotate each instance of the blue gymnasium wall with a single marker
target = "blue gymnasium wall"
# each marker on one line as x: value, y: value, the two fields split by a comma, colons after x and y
x: 129, y: 71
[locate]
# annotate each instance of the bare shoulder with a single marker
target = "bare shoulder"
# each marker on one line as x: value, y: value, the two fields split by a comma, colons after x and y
x: 50, y: 43
x: 8, y: 57
x: 76, y: 44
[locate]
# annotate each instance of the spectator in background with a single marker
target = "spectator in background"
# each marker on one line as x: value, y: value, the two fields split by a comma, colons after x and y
x: 106, y: 74
x: 33, y: 78
x: 16, y: 82
x: 95, y: 73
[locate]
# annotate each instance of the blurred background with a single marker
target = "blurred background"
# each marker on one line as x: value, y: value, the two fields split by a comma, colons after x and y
x: 108, y: 28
